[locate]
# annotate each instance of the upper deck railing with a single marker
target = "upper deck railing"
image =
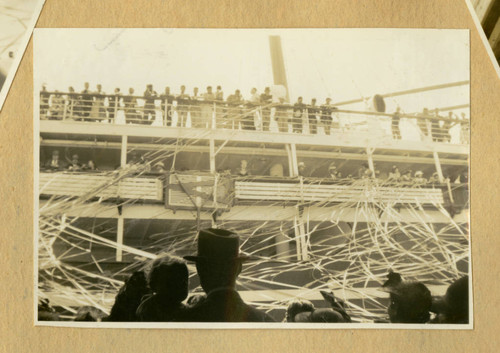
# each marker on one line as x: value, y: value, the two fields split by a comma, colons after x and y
x: 191, y: 112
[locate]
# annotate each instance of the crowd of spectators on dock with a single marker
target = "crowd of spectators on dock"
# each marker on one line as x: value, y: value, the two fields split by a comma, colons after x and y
x: 256, y: 112
x: 160, y: 293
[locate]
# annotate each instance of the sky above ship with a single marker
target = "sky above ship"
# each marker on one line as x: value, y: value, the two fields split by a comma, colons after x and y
x: 342, y: 64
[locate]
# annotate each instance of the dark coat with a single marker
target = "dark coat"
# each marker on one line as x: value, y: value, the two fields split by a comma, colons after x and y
x: 157, y: 309
x: 224, y: 305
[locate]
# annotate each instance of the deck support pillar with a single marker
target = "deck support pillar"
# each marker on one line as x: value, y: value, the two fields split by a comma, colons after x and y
x: 300, y: 234
x: 212, y: 155
x: 369, y: 153
x: 123, y: 155
x: 119, y: 239
x: 293, y: 156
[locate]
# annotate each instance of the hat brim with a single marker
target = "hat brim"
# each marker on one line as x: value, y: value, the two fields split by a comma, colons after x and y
x: 193, y: 258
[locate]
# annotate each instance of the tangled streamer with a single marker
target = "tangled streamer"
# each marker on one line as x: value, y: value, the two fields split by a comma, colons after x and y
x: 350, y: 258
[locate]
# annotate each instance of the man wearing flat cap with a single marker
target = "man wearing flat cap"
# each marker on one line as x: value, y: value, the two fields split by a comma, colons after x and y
x: 218, y: 264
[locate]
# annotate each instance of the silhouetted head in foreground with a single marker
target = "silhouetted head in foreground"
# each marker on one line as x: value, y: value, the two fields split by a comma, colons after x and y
x: 453, y: 307
x: 128, y: 298
x: 410, y: 301
x: 218, y: 262
x: 304, y: 311
x: 298, y: 307
x: 169, y: 278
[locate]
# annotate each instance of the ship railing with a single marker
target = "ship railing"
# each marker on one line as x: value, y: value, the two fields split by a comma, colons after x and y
x: 171, y: 111
x: 150, y: 187
x: 335, y: 191
x: 100, y: 184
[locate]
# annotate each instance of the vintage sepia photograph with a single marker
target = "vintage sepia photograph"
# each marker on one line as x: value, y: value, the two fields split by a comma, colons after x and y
x: 251, y: 178
x: 17, y: 19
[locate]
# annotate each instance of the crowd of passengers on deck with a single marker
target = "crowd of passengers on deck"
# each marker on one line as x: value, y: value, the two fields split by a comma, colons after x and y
x: 160, y: 293
x: 393, y: 176
x: 256, y: 112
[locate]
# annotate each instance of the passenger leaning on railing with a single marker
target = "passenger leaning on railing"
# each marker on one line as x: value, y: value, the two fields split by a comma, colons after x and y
x: 419, y: 178
x: 234, y: 109
x: 281, y: 115
x: 333, y: 172
x: 394, y: 174
x: 312, y: 117
x: 302, y: 169
x: 195, y: 109
x: 265, y: 100
x: 423, y: 123
x: 130, y: 107
x: 98, y: 112
x: 54, y: 163
x: 150, y: 96
x: 74, y: 164
x: 396, y: 119
x: 298, y: 110
x: 207, y: 108
x: 56, y: 106
x: 114, y: 104
x: 326, y: 116
x: 86, y: 101
x: 242, y: 171
x: 166, y: 106
x: 248, y: 119
x: 436, y: 131
x: 220, y: 109
x: 447, y: 125
x: 71, y: 104
x: 406, y: 178
x: 182, y: 107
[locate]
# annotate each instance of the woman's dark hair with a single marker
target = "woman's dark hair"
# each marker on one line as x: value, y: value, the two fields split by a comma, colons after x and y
x: 169, y: 277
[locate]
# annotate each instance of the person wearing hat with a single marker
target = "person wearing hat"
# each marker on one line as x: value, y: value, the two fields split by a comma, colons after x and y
x: 332, y: 171
x: 434, y: 179
x: 149, y: 113
x: 395, y: 119
x: 75, y: 164
x: 302, y: 169
x: 159, y: 167
x: 54, y: 163
x: 406, y: 177
x: 326, y: 116
x: 218, y: 264
x: 242, y: 170
x: 298, y: 111
x: 265, y: 100
x: 394, y: 174
x: 419, y: 178
x: 453, y: 308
